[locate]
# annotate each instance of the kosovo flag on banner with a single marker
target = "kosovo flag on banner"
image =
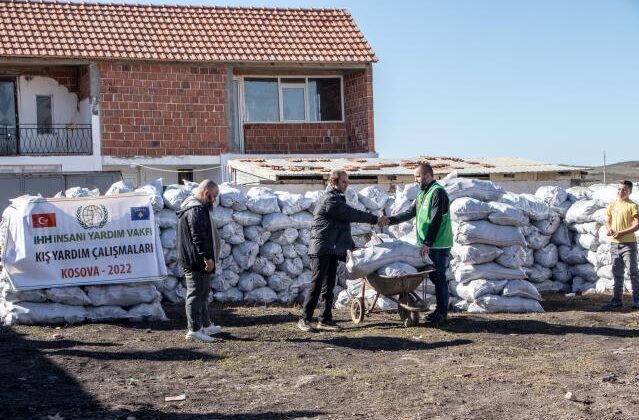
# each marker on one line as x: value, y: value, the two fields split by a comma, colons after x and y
x: 140, y: 213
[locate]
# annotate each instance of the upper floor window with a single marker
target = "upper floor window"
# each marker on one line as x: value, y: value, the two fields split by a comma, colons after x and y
x: 293, y: 99
x: 44, y: 114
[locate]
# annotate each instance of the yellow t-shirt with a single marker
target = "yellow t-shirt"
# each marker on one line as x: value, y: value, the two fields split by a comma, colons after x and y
x: 622, y: 214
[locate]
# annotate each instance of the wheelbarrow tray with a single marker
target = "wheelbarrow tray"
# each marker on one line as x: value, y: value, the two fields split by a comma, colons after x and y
x: 389, y: 286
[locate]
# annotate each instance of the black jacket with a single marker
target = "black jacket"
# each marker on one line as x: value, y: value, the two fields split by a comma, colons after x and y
x: 194, y: 236
x: 439, y: 204
x: 331, y: 230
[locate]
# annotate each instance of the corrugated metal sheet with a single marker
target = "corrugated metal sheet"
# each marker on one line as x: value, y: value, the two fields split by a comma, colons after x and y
x: 274, y: 169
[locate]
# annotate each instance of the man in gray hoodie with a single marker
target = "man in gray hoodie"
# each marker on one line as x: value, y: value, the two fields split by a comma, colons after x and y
x: 198, y: 249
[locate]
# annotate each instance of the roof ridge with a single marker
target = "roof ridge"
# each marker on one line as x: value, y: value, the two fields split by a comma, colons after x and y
x: 176, y: 6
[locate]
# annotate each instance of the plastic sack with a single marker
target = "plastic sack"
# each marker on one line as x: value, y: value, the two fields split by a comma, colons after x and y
x: 166, y: 218
x: 552, y: 195
x: 489, y: 271
x: 292, y: 203
x: 257, y: 234
x: 364, y: 261
x: 168, y: 238
x: 582, y: 211
x: 154, y: 189
x: 538, y: 273
x: 373, y: 197
x: 302, y: 220
x: 262, y: 200
x: 263, y: 266
x: 513, y: 256
x: 247, y: 218
x: 532, y: 206
x: 43, y: 313
x: 232, y: 197
x: 285, y: 237
x: 474, y: 188
x: 222, y: 216
x: 122, y: 294
x: 507, y: 215
x: 483, y: 232
x: 232, y: 233
x: 250, y: 281
x: 475, y: 253
x: 71, y: 295
x: 466, y: 209
x: 276, y: 221
x: 396, y: 269
x: 547, y: 256
x: 119, y: 187
x: 174, y: 196
x: 232, y: 295
x: 478, y: 288
x: 147, y: 312
x: 522, y: 289
x: 495, y: 304
x: 245, y: 254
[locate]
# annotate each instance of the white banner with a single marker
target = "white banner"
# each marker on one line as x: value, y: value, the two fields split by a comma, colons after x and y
x: 82, y: 241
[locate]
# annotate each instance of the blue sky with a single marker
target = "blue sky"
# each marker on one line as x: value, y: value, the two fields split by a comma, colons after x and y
x: 555, y: 81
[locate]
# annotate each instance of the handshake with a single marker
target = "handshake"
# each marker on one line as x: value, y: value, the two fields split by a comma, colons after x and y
x: 382, y: 221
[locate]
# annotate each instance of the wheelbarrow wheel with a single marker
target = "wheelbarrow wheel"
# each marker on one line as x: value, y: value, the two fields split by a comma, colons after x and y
x: 408, y: 318
x: 357, y: 310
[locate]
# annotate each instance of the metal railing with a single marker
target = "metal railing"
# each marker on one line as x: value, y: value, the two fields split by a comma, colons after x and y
x: 57, y: 139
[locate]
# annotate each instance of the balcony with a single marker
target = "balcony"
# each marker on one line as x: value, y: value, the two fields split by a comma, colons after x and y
x: 34, y: 140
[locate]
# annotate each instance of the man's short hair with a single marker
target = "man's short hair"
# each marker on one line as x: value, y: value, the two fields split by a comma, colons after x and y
x: 627, y: 183
x: 425, y: 168
x: 207, y: 184
x: 335, y: 175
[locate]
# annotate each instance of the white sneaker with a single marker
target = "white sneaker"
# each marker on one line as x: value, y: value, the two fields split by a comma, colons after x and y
x: 199, y: 336
x: 212, y: 329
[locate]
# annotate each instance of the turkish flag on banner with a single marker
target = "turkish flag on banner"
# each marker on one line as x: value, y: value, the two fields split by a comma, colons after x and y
x: 43, y: 220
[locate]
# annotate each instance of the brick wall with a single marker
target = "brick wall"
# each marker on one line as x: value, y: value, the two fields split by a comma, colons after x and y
x: 162, y: 109
x: 355, y: 135
x: 295, y: 138
x: 358, y: 106
x: 83, y: 83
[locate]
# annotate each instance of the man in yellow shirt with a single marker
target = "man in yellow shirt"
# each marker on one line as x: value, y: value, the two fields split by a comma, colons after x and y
x: 622, y: 223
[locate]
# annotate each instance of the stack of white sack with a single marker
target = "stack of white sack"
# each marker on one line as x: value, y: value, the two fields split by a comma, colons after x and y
x: 544, y: 233
x: 489, y: 255
x: 387, y: 257
x: 68, y: 305
x: 589, y: 252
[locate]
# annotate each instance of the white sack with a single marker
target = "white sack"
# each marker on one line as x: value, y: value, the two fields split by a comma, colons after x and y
x: 538, y: 273
x: 396, y: 269
x: 174, y: 196
x: 262, y: 200
x: 247, y: 218
x: 491, y: 271
x: 466, y: 209
x: 532, y: 206
x: 71, y: 295
x: 494, y: 304
x: 483, y: 232
x: 476, y: 253
x: 373, y: 197
x: 474, y: 188
x: 364, y: 261
x: 233, y: 233
x: 513, y: 256
x: 43, y: 313
x: 302, y: 220
x: 166, y: 218
x: 522, y: 289
x: 250, y: 281
x: 284, y: 237
x: 582, y: 211
x: 119, y: 187
x: 276, y: 221
x: 232, y: 295
x: 168, y: 238
x: 222, y: 216
x: 547, y: 256
x: 257, y: 234
x: 245, y: 254
x: 507, y: 215
x: 292, y: 203
x: 122, y: 294
x: 478, y: 288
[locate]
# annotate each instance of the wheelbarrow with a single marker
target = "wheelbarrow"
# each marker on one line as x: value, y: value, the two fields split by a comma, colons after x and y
x: 409, y: 303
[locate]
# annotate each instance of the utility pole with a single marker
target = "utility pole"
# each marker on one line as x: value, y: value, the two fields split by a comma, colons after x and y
x: 604, y: 168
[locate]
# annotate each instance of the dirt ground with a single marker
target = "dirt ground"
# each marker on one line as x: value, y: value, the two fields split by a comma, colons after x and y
x: 477, y: 367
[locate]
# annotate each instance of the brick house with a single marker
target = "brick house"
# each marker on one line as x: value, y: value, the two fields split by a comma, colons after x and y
x: 150, y: 90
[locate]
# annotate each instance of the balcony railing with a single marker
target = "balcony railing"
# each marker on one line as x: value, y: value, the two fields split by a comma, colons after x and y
x: 34, y: 140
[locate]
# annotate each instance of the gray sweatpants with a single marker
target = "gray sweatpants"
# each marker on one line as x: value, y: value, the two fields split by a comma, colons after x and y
x: 198, y: 286
x: 624, y: 256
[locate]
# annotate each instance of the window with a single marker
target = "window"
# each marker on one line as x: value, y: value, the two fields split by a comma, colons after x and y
x: 261, y: 99
x: 293, y: 99
x: 185, y: 175
x: 325, y: 99
x: 282, y: 99
x: 44, y: 116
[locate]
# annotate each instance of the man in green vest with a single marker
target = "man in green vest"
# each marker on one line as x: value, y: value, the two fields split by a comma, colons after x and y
x: 434, y: 233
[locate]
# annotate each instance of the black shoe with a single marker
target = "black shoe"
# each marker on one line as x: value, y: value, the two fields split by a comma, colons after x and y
x: 612, y: 305
x: 328, y: 325
x: 437, y: 320
x: 304, y: 325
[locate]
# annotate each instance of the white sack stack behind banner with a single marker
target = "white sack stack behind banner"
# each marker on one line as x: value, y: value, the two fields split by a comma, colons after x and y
x: 82, y: 241
x: 62, y: 258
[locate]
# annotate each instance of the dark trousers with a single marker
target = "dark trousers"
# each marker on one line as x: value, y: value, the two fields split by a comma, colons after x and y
x: 438, y: 277
x: 624, y: 256
x: 198, y: 286
x: 323, y: 270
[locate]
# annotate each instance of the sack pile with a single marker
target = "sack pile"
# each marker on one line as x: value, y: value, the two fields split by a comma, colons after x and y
x: 490, y: 256
x: 589, y: 252
x: 68, y: 305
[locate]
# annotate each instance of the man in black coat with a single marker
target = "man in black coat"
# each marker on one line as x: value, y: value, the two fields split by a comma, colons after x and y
x: 198, y: 248
x: 330, y: 240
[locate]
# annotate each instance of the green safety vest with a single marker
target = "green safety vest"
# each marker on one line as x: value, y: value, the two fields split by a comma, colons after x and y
x: 444, y: 238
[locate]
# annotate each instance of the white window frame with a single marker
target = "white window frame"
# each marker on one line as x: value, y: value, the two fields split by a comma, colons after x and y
x: 284, y: 85
x: 242, y: 105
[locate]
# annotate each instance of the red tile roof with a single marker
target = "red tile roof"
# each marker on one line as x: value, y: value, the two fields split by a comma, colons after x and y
x: 180, y: 33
